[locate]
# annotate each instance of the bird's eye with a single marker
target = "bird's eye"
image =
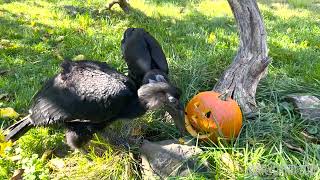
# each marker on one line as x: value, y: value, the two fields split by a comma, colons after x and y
x: 160, y: 78
x: 172, y: 99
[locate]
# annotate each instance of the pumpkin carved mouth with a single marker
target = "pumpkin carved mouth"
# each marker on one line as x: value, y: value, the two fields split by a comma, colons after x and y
x: 193, y: 132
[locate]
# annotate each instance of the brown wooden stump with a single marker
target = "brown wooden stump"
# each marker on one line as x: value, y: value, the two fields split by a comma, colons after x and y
x: 241, y: 79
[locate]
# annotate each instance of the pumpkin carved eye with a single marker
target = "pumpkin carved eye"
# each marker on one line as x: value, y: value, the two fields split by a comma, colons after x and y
x: 208, y: 114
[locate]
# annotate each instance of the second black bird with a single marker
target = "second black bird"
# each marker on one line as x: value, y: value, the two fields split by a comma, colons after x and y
x: 147, y: 64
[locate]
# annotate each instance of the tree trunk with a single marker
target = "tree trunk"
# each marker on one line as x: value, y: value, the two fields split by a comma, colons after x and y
x: 122, y: 3
x: 241, y: 79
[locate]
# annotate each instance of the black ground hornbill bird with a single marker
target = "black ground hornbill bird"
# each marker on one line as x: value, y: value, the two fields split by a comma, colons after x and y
x: 142, y: 53
x: 88, y: 95
x: 147, y: 64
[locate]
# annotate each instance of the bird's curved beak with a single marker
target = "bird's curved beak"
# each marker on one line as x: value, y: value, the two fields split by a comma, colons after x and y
x: 176, y: 110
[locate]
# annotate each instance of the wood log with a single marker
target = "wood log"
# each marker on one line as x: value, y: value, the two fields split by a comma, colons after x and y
x: 241, y: 79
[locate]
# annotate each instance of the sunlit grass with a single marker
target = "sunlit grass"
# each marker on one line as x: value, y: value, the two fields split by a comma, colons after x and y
x: 200, y: 40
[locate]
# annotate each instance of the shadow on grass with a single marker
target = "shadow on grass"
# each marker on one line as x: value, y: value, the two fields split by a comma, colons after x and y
x: 182, y: 3
x: 184, y: 40
x: 312, y: 7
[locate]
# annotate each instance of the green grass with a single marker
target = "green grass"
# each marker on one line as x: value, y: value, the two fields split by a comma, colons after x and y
x: 36, y: 35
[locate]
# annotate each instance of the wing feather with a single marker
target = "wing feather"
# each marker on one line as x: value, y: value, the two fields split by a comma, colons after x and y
x: 87, y: 91
x: 158, y: 57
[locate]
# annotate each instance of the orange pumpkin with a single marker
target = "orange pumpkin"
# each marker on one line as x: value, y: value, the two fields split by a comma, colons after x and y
x: 209, y: 114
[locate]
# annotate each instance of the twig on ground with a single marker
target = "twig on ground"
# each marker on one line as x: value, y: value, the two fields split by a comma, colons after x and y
x: 293, y: 148
x: 310, y: 137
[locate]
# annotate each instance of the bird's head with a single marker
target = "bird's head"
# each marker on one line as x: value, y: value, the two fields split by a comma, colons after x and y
x: 157, y: 92
x: 129, y: 34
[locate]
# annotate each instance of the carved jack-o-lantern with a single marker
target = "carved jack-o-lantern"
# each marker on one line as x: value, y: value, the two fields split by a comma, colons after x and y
x: 213, y: 116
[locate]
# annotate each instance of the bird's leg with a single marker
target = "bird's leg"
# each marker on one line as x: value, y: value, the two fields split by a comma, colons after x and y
x: 78, y: 135
x: 77, y: 140
x: 126, y: 136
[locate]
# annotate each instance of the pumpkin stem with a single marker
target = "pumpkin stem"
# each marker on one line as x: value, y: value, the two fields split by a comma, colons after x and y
x: 224, y: 96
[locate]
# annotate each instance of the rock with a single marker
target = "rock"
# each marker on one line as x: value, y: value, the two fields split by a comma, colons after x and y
x: 307, y: 106
x: 169, y: 158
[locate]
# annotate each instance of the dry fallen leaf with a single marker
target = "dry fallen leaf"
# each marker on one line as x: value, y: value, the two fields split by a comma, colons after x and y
x: 8, y: 113
x: 15, y: 158
x: 46, y: 155
x: 136, y: 131
x: 181, y: 141
x: 59, y: 39
x: 17, y: 175
x: 79, y: 57
x: 212, y: 38
x: 4, y: 144
x: 289, y: 30
x: 229, y: 162
x: 57, y: 163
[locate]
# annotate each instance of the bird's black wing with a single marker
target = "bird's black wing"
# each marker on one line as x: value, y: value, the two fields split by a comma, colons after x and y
x: 135, y: 52
x: 159, y: 60
x: 85, y: 91
x: 142, y: 53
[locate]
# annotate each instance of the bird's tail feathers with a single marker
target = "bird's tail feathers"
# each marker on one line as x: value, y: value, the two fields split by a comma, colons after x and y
x: 18, y: 129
